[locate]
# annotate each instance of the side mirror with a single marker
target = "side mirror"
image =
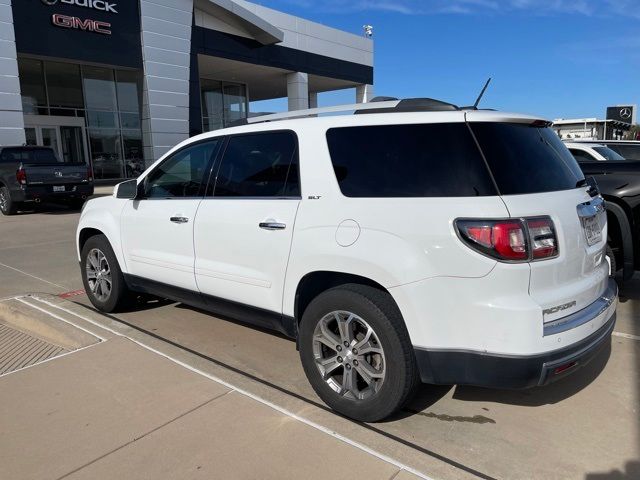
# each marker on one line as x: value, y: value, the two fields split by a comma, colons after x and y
x: 128, y: 189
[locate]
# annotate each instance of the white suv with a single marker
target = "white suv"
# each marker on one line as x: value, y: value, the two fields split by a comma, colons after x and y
x: 413, y: 241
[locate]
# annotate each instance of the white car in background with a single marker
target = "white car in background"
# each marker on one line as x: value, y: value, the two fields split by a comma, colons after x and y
x: 414, y: 241
x: 588, y: 152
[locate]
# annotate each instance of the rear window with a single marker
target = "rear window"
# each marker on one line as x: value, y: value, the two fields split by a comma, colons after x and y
x: 426, y: 160
x: 608, y: 154
x: 29, y: 155
x: 527, y: 159
x: 629, y: 152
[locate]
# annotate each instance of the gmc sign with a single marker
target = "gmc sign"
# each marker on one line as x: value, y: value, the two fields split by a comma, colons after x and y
x: 76, y: 23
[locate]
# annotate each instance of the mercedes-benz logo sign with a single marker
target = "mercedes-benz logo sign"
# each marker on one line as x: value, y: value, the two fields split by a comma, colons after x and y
x: 49, y: 2
x: 625, y: 113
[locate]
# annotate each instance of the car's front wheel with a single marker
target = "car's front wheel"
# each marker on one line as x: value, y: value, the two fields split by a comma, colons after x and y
x: 101, y: 275
x: 356, y: 352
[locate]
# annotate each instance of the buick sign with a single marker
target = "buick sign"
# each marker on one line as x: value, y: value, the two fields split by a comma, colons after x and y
x: 95, y: 4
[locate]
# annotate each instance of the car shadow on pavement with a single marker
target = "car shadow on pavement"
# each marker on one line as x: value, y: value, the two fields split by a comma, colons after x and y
x: 538, y: 396
x: 631, y: 472
x: 267, y: 330
x: 48, y: 209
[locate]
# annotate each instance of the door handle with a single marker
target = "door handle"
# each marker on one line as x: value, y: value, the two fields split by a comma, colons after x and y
x: 179, y: 219
x: 272, y: 226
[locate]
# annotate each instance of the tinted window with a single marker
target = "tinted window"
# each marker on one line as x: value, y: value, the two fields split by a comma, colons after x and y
x: 629, y: 152
x: 29, y: 155
x: 259, y: 165
x: 527, y: 159
x: 607, y: 153
x: 427, y: 160
x: 581, y: 155
x: 182, y: 174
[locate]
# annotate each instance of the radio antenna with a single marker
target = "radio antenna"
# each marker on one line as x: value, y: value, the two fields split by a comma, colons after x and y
x: 484, y: 89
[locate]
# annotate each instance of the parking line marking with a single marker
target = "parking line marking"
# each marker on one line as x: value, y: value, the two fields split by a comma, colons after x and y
x: 57, y: 317
x: 626, y: 335
x: 50, y: 359
x: 32, y: 276
x: 241, y: 391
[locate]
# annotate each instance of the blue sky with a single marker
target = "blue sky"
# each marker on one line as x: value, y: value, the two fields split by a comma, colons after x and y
x: 555, y: 58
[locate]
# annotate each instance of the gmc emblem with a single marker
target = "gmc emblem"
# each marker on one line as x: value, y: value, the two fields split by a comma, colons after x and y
x: 76, y: 23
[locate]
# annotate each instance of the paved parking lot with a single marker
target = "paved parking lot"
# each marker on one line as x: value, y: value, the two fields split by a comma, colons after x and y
x: 586, y: 427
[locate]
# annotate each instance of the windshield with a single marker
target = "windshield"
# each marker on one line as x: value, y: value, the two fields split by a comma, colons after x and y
x: 526, y: 159
x: 608, y: 154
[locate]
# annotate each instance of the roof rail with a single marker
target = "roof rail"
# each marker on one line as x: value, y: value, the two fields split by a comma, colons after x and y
x: 379, y: 105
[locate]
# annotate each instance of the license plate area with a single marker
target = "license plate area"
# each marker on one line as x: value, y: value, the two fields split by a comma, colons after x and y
x: 58, y: 188
x: 592, y: 230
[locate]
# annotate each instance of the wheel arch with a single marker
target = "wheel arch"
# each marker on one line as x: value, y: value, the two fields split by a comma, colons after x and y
x: 622, y: 232
x: 314, y: 283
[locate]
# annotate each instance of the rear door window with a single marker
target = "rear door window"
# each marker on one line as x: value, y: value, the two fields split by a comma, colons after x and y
x: 425, y: 160
x: 526, y: 158
x: 259, y: 165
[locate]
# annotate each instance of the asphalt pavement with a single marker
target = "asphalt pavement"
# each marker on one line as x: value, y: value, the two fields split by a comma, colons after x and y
x: 585, y: 427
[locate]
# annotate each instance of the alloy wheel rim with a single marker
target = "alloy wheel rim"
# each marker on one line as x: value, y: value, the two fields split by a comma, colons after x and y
x: 349, y: 355
x: 98, y: 275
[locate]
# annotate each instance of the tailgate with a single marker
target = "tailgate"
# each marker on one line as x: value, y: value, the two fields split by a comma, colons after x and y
x: 536, y: 175
x: 55, y: 174
x: 578, y: 275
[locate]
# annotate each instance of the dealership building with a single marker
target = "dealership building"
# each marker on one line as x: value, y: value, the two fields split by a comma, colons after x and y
x: 117, y: 83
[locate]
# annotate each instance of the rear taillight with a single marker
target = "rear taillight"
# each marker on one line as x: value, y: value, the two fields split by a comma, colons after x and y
x: 21, y: 176
x: 89, y: 173
x: 520, y: 240
x: 542, y: 233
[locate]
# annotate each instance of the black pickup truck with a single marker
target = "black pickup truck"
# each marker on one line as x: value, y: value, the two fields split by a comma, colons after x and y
x: 619, y: 184
x: 33, y: 174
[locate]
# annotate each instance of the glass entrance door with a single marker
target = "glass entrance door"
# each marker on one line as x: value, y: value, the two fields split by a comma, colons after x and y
x: 68, y: 141
x: 71, y: 144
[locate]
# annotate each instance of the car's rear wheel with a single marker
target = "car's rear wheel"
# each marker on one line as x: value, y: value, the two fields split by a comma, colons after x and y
x: 356, y: 352
x: 101, y: 275
x: 7, y: 206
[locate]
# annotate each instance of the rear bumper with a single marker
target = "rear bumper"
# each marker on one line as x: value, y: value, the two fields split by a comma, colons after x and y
x: 513, y: 371
x: 33, y: 193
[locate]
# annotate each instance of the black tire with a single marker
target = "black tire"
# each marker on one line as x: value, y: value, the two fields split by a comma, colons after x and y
x: 612, y: 259
x: 380, y: 312
x: 119, y: 297
x: 7, y: 206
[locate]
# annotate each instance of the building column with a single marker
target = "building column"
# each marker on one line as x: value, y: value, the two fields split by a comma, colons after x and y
x: 364, y: 93
x: 11, y: 118
x: 298, y: 91
x: 165, y: 99
x: 313, y: 99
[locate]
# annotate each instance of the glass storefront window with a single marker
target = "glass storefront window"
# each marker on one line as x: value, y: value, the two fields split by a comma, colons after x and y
x: 64, y: 85
x: 133, y: 154
x: 31, y: 85
x: 235, y: 103
x: 102, y: 119
x: 129, y: 87
x: 106, y: 153
x: 99, y: 89
x: 222, y: 103
x: 108, y: 99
